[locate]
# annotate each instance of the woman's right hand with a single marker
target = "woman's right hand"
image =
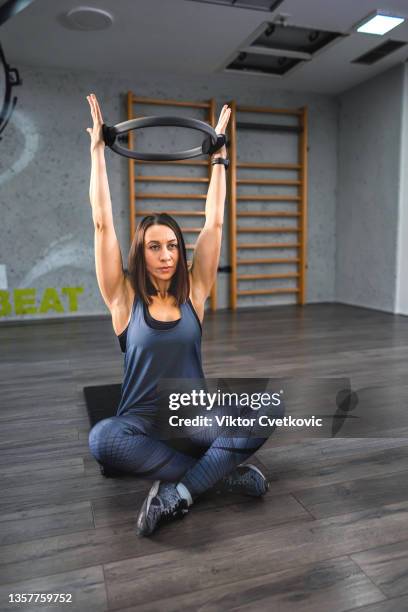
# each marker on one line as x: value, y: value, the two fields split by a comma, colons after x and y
x: 96, y: 131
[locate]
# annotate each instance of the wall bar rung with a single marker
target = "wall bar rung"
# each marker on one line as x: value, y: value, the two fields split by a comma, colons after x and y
x: 281, y: 260
x: 266, y: 182
x: 265, y: 165
x: 265, y: 213
x: 171, y: 196
x: 263, y: 245
x: 180, y: 162
x: 142, y: 100
x: 264, y: 230
x: 170, y: 179
x: 191, y: 230
x: 258, y: 276
x: 269, y: 198
x: 275, y: 111
x: 269, y: 127
x: 177, y: 213
x: 266, y: 291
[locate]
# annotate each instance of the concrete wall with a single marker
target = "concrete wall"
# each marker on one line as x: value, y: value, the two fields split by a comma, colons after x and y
x: 370, y: 123
x: 401, y: 299
x: 47, y: 229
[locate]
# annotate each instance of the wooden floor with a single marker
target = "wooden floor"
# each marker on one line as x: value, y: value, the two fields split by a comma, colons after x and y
x: 331, y: 535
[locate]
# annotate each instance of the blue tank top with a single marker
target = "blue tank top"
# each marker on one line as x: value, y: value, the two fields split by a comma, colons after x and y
x: 152, y: 354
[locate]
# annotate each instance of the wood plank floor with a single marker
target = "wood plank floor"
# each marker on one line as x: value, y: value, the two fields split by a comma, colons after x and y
x: 331, y: 534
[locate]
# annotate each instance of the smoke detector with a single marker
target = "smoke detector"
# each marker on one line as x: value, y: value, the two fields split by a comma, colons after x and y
x: 88, y: 18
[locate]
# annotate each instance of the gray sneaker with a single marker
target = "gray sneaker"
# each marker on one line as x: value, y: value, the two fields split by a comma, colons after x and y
x: 163, y: 503
x: 246, y: 479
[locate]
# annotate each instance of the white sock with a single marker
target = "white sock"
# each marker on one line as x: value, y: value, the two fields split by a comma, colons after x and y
x: 184, y: 493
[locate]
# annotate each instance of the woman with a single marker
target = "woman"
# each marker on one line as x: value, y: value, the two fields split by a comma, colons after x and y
x: 157, y: 311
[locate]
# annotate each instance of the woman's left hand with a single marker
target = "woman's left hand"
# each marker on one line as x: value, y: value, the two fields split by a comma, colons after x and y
x: 221, y: 127
x: 223, y: 119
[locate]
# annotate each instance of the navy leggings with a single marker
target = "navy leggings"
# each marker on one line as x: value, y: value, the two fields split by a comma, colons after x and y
x: 129, y: 443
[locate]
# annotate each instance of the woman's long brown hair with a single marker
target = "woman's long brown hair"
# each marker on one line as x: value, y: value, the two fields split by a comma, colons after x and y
x: 137, y: 272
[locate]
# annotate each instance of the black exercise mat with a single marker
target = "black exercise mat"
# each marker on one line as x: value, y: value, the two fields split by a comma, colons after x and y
x: 102, y: 401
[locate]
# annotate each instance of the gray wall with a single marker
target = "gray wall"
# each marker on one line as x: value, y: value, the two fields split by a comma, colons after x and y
x: 370, y: 123
x: 401, y: 300
x: 47, y: 230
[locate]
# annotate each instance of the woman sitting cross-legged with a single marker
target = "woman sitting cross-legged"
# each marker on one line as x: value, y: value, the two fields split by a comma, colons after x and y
x: 157, y: 313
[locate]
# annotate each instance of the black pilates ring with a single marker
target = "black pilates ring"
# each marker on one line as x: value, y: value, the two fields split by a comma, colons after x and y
x: 213, y: 141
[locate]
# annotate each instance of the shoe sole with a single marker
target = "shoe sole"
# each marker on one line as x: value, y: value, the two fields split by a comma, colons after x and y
x: 251, y: 465
x: 141, y: 530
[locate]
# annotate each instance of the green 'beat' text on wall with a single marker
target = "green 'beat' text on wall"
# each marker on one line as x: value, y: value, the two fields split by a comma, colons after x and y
x: 24, y: 301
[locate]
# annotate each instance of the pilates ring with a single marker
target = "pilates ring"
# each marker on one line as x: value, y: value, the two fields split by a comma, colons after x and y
x: 211, y: 143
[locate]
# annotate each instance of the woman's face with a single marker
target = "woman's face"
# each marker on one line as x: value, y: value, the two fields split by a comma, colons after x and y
x: 161, y: 251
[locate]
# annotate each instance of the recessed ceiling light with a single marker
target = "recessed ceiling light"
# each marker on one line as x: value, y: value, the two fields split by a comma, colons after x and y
x: 379, y: 23
x: 88, y: 18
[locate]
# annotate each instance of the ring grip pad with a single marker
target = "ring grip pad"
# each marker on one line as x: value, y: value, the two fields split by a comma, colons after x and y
x: 109, y: 134
x: 208, y: 148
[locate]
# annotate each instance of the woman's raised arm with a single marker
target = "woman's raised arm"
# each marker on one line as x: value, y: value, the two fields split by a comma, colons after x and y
x: 108, y: 257
x: 208, y: 246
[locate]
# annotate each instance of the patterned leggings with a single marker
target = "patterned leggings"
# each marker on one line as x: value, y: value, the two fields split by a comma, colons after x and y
x: 130, y: 443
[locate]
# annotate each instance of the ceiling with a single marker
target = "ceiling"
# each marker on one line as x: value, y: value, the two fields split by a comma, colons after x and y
x: 184, y: 38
